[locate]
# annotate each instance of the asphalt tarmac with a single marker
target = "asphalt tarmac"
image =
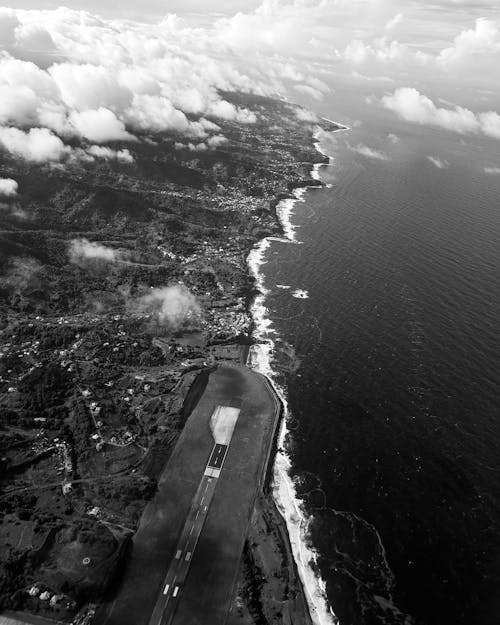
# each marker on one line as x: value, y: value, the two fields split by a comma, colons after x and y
x: 166, y: 605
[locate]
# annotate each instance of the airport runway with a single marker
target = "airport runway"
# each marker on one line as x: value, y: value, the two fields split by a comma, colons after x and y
x: 166, y: 605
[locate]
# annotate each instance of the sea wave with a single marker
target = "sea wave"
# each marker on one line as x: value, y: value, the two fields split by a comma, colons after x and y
x: 318, y: 134
x: 261, y: 358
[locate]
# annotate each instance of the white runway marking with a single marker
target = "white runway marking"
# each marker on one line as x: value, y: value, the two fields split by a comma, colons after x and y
x: 166, y: 589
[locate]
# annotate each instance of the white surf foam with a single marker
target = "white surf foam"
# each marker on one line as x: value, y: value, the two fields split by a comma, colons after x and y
x: 289, y: 506
x: 261, y: 359
x: 300, y: 294
x: 284, y: 211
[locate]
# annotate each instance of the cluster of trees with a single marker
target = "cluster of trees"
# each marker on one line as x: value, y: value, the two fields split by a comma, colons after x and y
x: 127, y: 496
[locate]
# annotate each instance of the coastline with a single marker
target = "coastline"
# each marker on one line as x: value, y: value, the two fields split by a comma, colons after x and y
x: 260, y: 358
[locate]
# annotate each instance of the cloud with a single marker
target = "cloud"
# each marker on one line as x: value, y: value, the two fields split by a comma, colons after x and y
x: 412, y: 106
x: 100, y: 125
x: 393, y: 22
x: 82, y: 249
x: 86, y: 86
x: 197, y: 147
x: 100, y: 80
x: 492, y: 171
x: 226, y: 110
x: 364, y: 150
x: 380, y: 49
x: 23, y: 272
x: 438, y: 162
x: 108, y: 154
x: 216, y: 141
x: 117, y: 80
x: 483, y: 39
x: 8, y: 187
x: 309, y: 91
x: 173, y: 306
x: 393, y: 138
x: 38, y: 145
x: 306, y: 116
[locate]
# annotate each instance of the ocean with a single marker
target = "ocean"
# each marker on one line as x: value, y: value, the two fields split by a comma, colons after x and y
x: 379, y: 320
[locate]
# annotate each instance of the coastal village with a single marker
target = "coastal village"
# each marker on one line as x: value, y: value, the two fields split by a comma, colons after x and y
x: 98, y: 373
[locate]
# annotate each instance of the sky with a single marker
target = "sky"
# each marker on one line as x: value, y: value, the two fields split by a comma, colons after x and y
x: 103, y: 72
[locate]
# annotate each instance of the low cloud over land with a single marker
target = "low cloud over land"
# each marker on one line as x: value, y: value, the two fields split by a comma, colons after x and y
x: 174, y: 306
x: 8, y: 187
x: 81, y: 250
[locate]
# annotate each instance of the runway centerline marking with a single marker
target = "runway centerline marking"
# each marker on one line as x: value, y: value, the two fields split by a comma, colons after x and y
x: 165, y: 610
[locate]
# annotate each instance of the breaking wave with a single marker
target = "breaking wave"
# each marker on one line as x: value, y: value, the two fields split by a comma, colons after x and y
x: 261, y: 359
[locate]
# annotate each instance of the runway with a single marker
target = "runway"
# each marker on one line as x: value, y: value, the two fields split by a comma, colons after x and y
x: 166, y: 604
x: 230, y: 428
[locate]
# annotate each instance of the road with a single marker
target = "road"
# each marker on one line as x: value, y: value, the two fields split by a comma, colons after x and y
x: 166, y: 605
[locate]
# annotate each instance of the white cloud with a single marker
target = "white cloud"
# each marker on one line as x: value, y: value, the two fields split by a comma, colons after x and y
x: 364, y: 150
x: 394, y: 21
x: 197, y: 147
x: 309, y: 91
x: 440, y: 163
x: 8, y: 187
x: 306, y: 116
x: 173, y: 305
x: 483, y: 39
x: 490, y: 124
x: 106, y: 80
x: 393, y: 138
x: 415, y: 107
x: 216, y: 141
x: 226, y: 110
x: 494, y: 171
x: 38, y: 144
x: 116, y: 79
x: 99, y: 125
x: 380, y: 49
x: 84, y: 87
x: 108, y: 154
x: 18, y: 104
x: 82, y: 249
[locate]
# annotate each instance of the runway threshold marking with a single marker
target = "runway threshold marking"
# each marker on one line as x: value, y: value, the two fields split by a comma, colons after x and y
x: 217, y: 456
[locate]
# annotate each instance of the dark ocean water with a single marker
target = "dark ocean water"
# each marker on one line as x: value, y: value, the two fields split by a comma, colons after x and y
x: 393, y: 371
